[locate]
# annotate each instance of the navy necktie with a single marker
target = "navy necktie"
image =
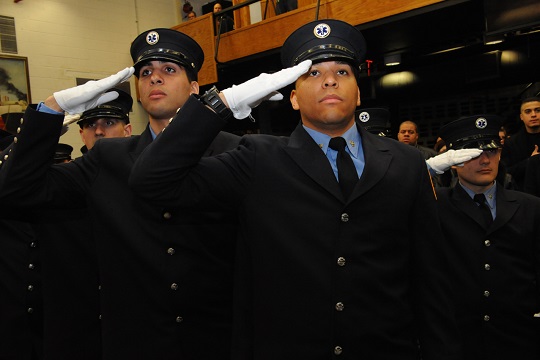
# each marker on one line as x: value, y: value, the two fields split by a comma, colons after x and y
x: 480, y: 199
x: 347, y: 175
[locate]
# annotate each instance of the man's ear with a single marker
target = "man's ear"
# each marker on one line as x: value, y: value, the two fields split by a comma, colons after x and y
x: 358, y: 102
x: 294, y: 100
x: 194, y: 88
x: 127, y: 130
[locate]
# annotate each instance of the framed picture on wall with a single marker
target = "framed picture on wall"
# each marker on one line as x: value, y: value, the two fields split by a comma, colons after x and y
x: 14, y: 81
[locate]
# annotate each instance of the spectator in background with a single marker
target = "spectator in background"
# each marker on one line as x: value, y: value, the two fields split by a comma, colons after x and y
x: 224, y: 23
x: 191, y: 15
x: 408, y: 134
x: 502, y: 134
x: 524, y: 144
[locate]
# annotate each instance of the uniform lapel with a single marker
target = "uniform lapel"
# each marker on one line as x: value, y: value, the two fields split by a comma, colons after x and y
x: 309, y: 157
x: 144, y: 140
x: 377, y: 157
x: 463, y: 202
x: 507, y: 205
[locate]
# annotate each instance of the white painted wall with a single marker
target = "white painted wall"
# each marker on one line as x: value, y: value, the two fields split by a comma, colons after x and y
x: 66, y: 39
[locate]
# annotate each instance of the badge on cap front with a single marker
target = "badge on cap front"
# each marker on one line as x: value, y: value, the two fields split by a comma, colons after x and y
x: 152, y: 38
x: 364, y: 116
x: 322, y: 30
x: 481, y: 123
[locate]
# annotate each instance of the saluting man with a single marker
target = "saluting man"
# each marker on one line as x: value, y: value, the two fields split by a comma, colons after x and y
x: 333, y: 261
x: 493, y: 242
x: 165, y: 274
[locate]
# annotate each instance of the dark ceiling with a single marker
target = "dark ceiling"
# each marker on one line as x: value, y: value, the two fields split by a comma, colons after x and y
x: 419, y: 37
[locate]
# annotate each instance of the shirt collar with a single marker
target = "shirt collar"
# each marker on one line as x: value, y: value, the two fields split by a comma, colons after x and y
x: 489, y: 194
x: 351, y: 136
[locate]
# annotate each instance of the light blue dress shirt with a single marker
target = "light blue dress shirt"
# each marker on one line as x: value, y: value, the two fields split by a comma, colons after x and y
x: 354, y: 148
x: 491, y: 197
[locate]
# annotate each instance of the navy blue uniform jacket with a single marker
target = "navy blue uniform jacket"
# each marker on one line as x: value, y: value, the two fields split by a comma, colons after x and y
x: 495, y: 273
x: 165, y: 274
x: 318, y: 275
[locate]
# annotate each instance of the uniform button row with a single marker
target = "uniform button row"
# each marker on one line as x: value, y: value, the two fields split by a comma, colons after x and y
x: 341, y: 261
x: 486, y: 317
x: 179, y: 319
x: 340, y: 306
x: 487, y: 267
x: 171, y: 251
x: 31, y: 266
x: 487, y: 243
x: 486, y: 293
x: 344, y: 217
x: 174, y: 286
x: 338, y: 350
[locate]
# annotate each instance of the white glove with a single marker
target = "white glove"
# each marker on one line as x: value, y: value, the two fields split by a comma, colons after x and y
x: 70, y: 119
x: 446, y: 160
x: 78, y: 99
x: 246, y: 96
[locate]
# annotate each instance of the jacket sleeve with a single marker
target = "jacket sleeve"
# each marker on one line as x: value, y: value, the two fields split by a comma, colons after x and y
x: 170, y: 172
x: 28, y: 177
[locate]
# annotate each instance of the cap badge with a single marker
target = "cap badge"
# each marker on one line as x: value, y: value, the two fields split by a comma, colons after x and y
x: 481, y: 123
x: 152, y: 38
x: 364, y: 116
x: 321, y: 30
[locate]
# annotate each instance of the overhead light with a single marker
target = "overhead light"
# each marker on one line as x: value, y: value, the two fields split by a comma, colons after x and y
x: 392, y: 60
x: 493, y: 39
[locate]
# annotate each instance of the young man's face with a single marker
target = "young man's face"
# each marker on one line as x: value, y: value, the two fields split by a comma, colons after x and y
x: 95, y: 129
x: 164, y: 87
x: 217, y: 8
x: 407, y: 133
x: 327, y: 96
x: 530, y: 115
x: 479, y: 173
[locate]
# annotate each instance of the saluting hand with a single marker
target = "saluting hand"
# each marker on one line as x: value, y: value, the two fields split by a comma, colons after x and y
x: 78, y: 99
x: 248, y: 95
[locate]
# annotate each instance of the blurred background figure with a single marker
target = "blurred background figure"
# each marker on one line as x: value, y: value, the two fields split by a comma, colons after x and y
x: 408, y: 134
x: 374, y: 120
x: 62, y: 153
x: 224, y: 23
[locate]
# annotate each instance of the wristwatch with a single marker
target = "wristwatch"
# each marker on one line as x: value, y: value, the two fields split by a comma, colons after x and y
x: 212, y: 99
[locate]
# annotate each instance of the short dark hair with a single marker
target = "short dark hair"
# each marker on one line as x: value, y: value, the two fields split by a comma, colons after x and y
x: 530, y: 99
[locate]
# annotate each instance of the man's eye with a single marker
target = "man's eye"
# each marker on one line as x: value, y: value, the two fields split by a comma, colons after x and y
x: 343, y: 72
x: 314, y: 72
x: 110, y: 123
x: 170, y: 69
x: 145, y: 72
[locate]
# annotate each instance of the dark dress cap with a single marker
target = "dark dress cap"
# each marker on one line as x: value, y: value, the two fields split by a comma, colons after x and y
x: 374, y: 120
x: 168, y: 45
x: 472, y: 132
x: 63, y: 152
x: 324, y: 40
x: 117, y: 109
